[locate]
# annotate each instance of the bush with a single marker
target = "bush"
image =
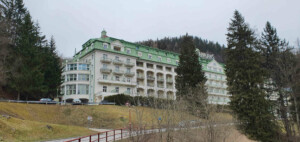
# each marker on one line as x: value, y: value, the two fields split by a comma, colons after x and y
x: 122, y: 99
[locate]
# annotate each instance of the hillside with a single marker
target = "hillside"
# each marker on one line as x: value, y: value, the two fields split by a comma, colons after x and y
x: 14, y: 129
x: 172, y: 44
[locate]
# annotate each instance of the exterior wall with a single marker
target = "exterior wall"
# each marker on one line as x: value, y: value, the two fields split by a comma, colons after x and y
x: 158, y: 81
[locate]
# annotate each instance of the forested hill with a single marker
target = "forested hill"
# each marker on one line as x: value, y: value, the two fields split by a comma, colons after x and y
x: 172, y: 44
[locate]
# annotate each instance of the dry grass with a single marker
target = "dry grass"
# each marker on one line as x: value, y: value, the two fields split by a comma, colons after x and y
x: 14, y: 129
x: 104, y: 116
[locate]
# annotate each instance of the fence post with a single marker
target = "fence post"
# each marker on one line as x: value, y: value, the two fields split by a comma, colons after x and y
x: 114, y: 135
x: 79, y: 140
x: 106, y: 137
x: 90, y: 138
x: 98, y: 137
x: 121, y: 134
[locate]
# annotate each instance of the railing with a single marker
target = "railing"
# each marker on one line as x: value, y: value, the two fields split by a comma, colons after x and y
x: 118, y: 72
x: 150, y: 78
x: 129, y: 64
x: 169, y: 81
x: 106, y: 70
x: 106, y: 136
x: 140, y: 77
x: 116, y: 61
x: 105, y: 60
x: 160, y: 79
x: 129, y: 73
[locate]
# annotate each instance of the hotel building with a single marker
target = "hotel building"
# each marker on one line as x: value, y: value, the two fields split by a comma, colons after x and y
x: 108, y: 66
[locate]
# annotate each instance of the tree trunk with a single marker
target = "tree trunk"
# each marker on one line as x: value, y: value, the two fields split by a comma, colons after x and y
x: 18, y: 96
x: 283, y: 111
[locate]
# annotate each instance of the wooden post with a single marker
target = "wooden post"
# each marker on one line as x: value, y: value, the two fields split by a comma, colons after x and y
x: 114, y: 135
x: 79, y: 140
x: 121, y: 134
x: 106, y: 137
x: 98, y: 137
x: 90, y: 138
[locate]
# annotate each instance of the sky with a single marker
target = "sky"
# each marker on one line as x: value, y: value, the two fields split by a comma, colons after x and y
x: 73, y: 22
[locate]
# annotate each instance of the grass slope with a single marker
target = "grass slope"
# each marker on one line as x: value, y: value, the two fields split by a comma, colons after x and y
x: 14, y: 129
x: 104, y: 116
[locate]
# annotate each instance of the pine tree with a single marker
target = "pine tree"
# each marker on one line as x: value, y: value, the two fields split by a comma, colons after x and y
x: 245, y: 79
x: 189, y: 71
x: 52, y: 69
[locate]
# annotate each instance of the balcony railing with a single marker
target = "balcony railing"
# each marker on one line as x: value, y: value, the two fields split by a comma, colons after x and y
x: 150, y: 78
x: 118, y: 62
x: 129, y: 64
x: 119, y: 72
x: 160, y: 79
x: 105, y: 70
x: 169, y: 81
x: 105, y: 60
x: 150, y: 85
x: 160, y: 86
x: 140, y: 76
x: 129, y: 73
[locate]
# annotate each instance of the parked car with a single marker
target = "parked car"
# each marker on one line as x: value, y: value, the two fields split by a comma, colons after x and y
x: 45, y: 100
x: 77, y: 101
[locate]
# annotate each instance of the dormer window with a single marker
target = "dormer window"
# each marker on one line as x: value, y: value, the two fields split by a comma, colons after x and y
x: 168, y: 60
x: 105, y: 46
x: 116, y: 48
x: 128, y: 51
x: 149, y: 56
x: 159, y: 58
x: 140, y: 54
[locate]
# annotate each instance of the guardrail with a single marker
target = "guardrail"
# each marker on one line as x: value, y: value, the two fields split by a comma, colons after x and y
x: 56, y: 103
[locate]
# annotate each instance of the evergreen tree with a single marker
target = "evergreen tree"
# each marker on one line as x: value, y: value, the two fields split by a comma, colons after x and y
x: 245, y: 79
x: 189, y: 71
x: 52, y: 69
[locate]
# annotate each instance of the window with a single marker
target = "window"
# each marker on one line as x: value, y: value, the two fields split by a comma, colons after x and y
x: 128, y: 60
x: 128, y: 79
x: 71, y: 89
x: 128, y: 51
x: 83, y: 77
x: 62, y: 90
x: 128, y: 90
x: 104, y: 56
x: 117, y: 78
x: 128, y: 70
x: 71, y: 77
x: 140, y: 54
x: 83, y: 89
x: 71, y: 67
x: 137, y: 48
x: 177, y: 62
x: 117, y: 58
x: 104, y: 65
x: 159, y: 58
x: 117, y: 89
x: 83, y: 67
x: 105, y: 46
x: 159, y: 67
x: 117, y: 68
x: 104, y: 76
x: 149, y: 56
x: 104, y: 89
x: 168, y: 60
x: 209, y: 68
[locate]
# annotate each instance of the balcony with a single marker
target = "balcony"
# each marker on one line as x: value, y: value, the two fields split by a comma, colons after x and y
x: 129, y: 74
x: 129, y: 64
x: 120, y: 81
x: 139, y: 76
x: 169, y: 81
x: 105, y: 70
x: 118, y: 72
x: 160, y: 86
x: 150, y: 78
x: 105, y: 60
x: 160, y: 79
x: 118, y: 62
x: 150, y: 85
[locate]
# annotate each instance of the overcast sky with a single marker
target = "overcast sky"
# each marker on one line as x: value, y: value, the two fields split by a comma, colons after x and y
x: 73, y: 22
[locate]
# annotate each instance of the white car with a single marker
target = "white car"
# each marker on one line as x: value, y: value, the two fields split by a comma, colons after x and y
x: 77, y: 101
